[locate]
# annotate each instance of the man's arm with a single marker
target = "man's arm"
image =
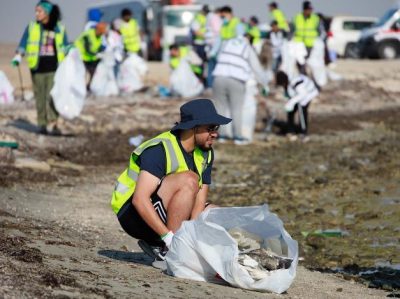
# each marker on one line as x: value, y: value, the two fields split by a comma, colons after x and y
x: 145, y: 186
x: 200, y: 203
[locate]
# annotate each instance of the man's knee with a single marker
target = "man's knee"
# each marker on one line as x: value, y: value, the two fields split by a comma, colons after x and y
x: 189, y: 180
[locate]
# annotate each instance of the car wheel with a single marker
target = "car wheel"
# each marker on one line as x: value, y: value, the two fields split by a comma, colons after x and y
x: 352, y: 51
x: 388, y: 50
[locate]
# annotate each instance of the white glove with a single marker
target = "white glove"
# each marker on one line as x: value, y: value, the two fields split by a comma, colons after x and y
x: 100, y: 55
x: 17, y: 59
x: 168, y: 239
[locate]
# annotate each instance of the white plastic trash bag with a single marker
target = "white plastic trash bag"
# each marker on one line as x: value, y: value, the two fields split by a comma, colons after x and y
x: 249, y: 110
x: 104, y: 82
x: 184, y: 82
x: 203, y: 249
x: 131, y: 72
x: 6, y: 90
x: 316, y: 62
x: 69, y: 90
x: 292, y: 53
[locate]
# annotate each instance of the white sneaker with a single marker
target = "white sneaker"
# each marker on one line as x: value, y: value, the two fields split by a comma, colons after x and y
x: 160, y: 262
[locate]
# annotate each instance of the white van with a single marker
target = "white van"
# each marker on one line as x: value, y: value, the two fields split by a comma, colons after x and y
x: 344, y: 32
x: 176, y: 21
x: 382, y: 40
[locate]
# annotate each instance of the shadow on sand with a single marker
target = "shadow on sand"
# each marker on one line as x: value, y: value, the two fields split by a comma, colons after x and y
x: 130, y: 257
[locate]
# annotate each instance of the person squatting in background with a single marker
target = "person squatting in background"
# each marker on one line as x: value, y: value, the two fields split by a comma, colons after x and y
x: 177, y: 53
x: 300, y: 91
x: 90, y: 44
x: 44, y: 43
x: 237, y: 62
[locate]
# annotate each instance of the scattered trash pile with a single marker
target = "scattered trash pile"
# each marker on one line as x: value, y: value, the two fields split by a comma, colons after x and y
x: 260, y: 256
x: 246, y: 247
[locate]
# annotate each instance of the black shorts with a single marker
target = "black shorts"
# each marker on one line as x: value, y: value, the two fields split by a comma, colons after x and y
x: 136, y: 227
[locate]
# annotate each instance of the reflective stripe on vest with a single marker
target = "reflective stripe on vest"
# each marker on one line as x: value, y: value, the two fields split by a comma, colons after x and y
x: 94, y: 45
x: 232, y: 60
x: 130, y: 35
x: 279, y: 17
x: 228, y: 30
x: 306, y: 29
x: 34, y: 42
x: 175, y: 163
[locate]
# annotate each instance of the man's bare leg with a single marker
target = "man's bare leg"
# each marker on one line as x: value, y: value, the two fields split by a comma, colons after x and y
x: 178, y: 192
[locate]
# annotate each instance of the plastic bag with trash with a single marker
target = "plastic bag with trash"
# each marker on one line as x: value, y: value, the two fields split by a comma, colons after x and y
x: 316, y: 62
x: 131, y: 72
x: 246, y: 247
x: 69, y: 90
x: 184, y: 82
x: 6, y: 90
x: 104, y: 82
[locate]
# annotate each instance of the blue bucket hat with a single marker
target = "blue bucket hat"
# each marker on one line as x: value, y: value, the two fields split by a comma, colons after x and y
x: 199, y: 112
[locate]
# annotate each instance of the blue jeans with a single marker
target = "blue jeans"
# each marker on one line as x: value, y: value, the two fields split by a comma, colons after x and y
x: 212, y: 62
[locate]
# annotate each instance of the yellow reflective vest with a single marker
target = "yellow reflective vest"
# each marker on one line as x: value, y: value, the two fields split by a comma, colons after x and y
x: 201, y: 20
x: 183, y: 52
x: 175, y: 163
x: 255, y: 33
x: 279, y: 17
x: 131, y: 36
x: 95, y: 43
x: 34, y: 42
x: 306, y: 30
x: 228, y: 30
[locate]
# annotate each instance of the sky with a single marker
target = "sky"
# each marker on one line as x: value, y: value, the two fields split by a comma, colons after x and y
x: 16, y: 14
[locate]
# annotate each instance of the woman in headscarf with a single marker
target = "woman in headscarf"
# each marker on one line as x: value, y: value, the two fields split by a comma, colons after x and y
x: 44, y: 43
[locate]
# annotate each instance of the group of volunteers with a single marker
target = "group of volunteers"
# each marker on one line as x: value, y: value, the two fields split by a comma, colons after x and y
x: 45, y: 44
x: 227, y: 53
x: 168, y: 176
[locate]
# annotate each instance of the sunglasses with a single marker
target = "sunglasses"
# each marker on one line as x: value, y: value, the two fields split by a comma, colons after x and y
x: 212, y: 128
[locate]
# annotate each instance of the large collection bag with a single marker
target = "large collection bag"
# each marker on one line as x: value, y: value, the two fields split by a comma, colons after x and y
x: 204, y: 250
x: 69, y: 90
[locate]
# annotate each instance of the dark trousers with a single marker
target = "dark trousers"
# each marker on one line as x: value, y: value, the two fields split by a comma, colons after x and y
x: 302, y: 113
x: 90, y: 68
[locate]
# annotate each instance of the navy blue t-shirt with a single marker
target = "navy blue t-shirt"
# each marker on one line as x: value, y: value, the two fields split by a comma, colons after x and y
x: 153, y: 160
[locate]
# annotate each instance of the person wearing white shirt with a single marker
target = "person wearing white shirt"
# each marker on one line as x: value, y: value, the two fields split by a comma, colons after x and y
x: 301, y: 90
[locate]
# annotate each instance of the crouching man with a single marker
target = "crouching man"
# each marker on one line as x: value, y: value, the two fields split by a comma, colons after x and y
x: 167, y: 179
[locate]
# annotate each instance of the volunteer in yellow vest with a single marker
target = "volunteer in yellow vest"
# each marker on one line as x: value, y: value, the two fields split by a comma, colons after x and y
x: 44, y: 44
x: 229, y: 23
x: 90, y: 45
x: 306, y: 30
x: 306, y: 26
x: 168, y: 178
x: 177, y: 53
x: 130, y: 32
x: 255, y: 34
x: 278, y: 16
x: 198, y: 29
